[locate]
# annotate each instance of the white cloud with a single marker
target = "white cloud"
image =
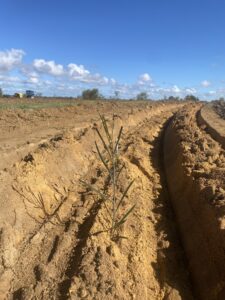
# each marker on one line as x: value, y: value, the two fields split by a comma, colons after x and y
x: 113, y: 81
x: 28, y: 71
x: 205, y: 83
x: 32, y: 77
x: 191, y: 91
x: 77, y: 71
x: 10, y: 59
x: 80, y: 73
x: 212, y: 92
x: 48, y: 67
x: 71, y: 79
x: 175, y: 89
x: 33, y: 80
x: 10, y: 79
x: 96, y: 79
x: 145, y: 77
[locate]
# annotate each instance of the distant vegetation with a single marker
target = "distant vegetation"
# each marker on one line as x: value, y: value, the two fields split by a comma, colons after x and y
x: 191, y: 98
x: 94, y: 94
x: 142, y: 96
x: 91, y: 94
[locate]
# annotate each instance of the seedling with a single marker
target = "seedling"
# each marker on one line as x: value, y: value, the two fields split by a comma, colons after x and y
x: 110, y: 159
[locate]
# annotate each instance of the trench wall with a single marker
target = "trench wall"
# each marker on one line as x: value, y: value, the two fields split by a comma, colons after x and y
x: 215, y: 125
x: 200, y: 231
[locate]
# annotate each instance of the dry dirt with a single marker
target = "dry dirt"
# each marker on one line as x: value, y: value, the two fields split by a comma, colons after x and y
x: 219, y: 107
x: 175, y: 242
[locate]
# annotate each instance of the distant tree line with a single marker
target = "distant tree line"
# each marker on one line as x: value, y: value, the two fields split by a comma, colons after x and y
x: 186, y: 98
x: 94, y: 94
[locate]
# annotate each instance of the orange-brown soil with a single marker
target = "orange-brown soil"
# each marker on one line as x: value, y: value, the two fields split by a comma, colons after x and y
x: 195, y: 169
x: 52, y: 246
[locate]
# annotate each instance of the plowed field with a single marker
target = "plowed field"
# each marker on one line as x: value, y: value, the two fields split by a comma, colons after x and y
x: 52, y: 242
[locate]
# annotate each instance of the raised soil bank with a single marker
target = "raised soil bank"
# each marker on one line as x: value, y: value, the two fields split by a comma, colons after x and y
x: 215, y: 125
x: 59, y: 254
x: 195, y: 171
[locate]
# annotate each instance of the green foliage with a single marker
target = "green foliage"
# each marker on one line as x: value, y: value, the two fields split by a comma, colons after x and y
x: 142, y: 96
x: 110, y: 159
x: 1, y: 93
x: 91, y: 94
x: 172, y: 98
x: 191, y: 98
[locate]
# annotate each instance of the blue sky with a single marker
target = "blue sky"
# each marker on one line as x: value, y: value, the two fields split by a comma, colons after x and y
x: 163, y: 47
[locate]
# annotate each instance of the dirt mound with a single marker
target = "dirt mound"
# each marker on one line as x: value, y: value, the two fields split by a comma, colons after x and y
x: 212, y: 123
x: 219, y: 107
x: 195, y: 168
x: 50, y: 248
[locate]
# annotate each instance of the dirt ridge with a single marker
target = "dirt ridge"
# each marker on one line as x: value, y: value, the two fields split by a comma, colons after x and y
x: 212, y: 123
x: 193, y: 161
x: 60, y: 255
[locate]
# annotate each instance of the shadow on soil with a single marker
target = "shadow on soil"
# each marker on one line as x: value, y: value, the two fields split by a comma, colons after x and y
x: 171, y: 266
x: 76, y: 258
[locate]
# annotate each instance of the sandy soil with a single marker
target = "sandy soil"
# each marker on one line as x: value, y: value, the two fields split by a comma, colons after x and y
x: 52, y: 246
x: 213, y: 123
x: 195, y: 169
x: 219, y: 108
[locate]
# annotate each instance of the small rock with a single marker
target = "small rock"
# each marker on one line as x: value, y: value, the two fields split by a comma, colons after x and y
x: 164, y: 244
x: 215, y: 157
x: 221, y: 190
x: 207, y: 166
x: 210, y: 160
x: 203, y: 126
x: 83, y: 293
x: 187, y: 148
x: 173, y: 295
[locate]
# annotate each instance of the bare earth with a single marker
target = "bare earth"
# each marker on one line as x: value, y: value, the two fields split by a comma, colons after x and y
x: 175, y: 236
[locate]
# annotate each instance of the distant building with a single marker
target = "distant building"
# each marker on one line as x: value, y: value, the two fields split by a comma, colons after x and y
x: 29, y: 94
x: 18, y: 95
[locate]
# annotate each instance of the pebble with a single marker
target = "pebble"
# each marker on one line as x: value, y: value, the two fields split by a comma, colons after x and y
x: 83, y: 293
x: 173, y: 295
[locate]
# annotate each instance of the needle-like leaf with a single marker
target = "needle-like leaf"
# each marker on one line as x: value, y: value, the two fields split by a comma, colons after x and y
x: 124, y: 194
x: 102, y: 159
x: 103, y: 197
x: 118, y: 140
x: 111, y: 161
x: 104, y: 123
x: 124, y: 218
x: 103, y: 142
x: 118, y: 174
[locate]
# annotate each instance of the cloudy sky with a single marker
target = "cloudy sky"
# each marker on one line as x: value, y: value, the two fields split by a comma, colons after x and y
x: 162, y: 47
